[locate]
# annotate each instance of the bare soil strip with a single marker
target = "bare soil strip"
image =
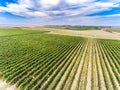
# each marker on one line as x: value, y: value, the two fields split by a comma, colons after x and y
x: 84, y: 71
x: 59, y: 74
x: 81, y: 69
x: 75, y: 81
x: 88, y: 86
x: 111, y: 71
x: 105, y: 70
x: 111, y: 85
x: 87, y: 33
x: 103, y: 86
x: 77, y: 58
x: 64, y: 76
x: 95, y: 84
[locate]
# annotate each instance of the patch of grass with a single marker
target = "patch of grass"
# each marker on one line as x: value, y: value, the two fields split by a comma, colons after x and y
x: 83, y: 28
x: 15, y: 31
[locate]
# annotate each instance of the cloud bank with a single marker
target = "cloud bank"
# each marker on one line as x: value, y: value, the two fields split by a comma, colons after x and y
x: 40, y: 8
x: 58, y: 9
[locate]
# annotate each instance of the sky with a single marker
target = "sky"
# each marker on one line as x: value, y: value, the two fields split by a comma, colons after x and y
x: 60, y: 12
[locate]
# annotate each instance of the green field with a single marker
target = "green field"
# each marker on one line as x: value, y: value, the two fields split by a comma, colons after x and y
x: 33, y: 60
x: 17, y: 31
x: 83, y: 28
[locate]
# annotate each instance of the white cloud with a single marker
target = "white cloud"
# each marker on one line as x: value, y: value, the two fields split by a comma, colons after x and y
x: 21, y: 9
x: 26, y: 3
x: 49, y: 3
x: 78, y: 1
x: 91, y: 8
x: 106, y: 4
x: 15, y: 8
x: 36, y: 14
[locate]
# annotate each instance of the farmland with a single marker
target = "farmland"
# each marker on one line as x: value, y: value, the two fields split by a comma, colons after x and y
x: 17, y: 31
x: 36, y: 60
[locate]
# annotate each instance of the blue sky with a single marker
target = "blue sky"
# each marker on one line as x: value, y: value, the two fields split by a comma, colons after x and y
x: 60, y: 12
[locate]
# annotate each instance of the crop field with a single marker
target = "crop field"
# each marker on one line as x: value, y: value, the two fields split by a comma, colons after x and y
x: 40, y: 61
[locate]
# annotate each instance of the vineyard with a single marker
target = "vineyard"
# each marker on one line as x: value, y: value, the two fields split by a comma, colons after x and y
x: 40, y: 61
